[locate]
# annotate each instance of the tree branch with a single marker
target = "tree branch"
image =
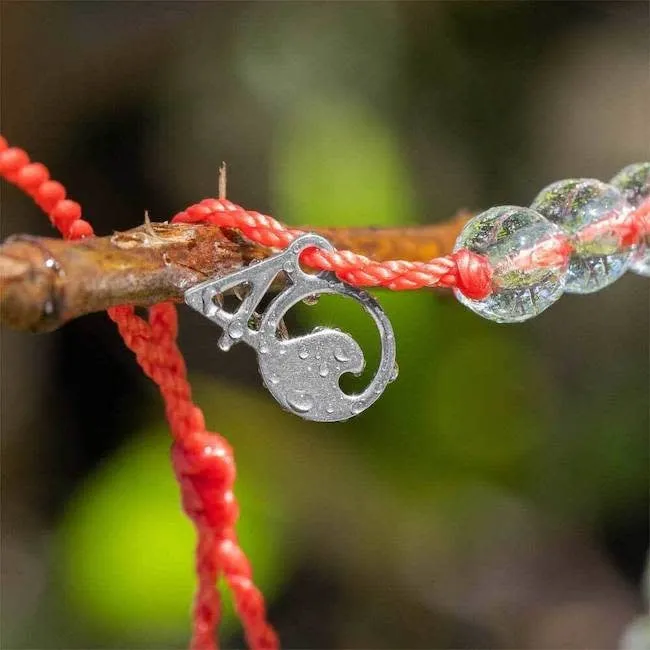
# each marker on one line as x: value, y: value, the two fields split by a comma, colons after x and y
x: 45, y: 282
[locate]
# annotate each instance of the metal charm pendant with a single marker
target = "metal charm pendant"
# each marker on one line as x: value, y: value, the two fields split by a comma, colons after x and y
x: 302, y: 373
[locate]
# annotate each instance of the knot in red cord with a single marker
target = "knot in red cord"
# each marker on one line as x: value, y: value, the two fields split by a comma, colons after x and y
x: 205, y: 469
x: 639, y: 223
x: 630, y: 230
x: 474, y: 274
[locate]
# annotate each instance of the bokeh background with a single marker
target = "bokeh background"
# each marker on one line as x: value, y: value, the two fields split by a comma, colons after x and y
x: 497, y: 495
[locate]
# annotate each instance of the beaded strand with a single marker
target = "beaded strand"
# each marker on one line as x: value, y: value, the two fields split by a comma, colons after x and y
x: 596, y: 232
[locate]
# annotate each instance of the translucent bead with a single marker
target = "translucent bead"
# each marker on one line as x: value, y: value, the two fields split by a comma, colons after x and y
x: 529, y: 259
x: 634, y: 182
x: 594, y: 215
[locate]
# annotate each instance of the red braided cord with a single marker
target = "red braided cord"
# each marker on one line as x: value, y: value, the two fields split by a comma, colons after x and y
x: 202, y: 461
x: 465, y: 270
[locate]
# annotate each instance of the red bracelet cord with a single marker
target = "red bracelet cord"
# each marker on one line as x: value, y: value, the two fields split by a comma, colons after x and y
x: 464, y: 270
x: 203, y: 461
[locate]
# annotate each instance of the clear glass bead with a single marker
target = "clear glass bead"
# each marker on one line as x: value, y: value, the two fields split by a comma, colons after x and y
x: 589, y: 211
x: 634, y: 182
x: 528, y: 258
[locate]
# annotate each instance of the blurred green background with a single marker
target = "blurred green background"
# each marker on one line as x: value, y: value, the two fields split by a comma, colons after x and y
x: 497, y: 495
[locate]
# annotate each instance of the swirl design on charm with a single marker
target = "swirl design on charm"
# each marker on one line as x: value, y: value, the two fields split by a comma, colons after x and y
x: 303, y: 372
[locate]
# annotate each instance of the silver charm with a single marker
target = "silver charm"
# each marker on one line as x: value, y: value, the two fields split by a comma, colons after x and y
x: 302, y: 373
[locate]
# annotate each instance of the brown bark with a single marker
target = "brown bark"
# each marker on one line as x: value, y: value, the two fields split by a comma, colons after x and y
x: 46, y: 282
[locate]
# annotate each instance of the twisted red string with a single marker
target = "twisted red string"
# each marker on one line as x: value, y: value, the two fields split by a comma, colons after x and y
x: 464, y: 270
x: 203, y: 461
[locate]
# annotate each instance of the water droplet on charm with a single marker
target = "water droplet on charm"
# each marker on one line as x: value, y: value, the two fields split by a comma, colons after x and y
x: 288, y: 267
x: 282, y: 351
x: 274, y: 379
x: 235, y: 330
x: 299, y: 401
x: 341, y: 355
x: 302, y: 353
x: 264, y: 348
x: 311, y: 299
x: 323, y: 371
x: 357, y: 407
x: 329, y: 409
x: 395, y: 373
